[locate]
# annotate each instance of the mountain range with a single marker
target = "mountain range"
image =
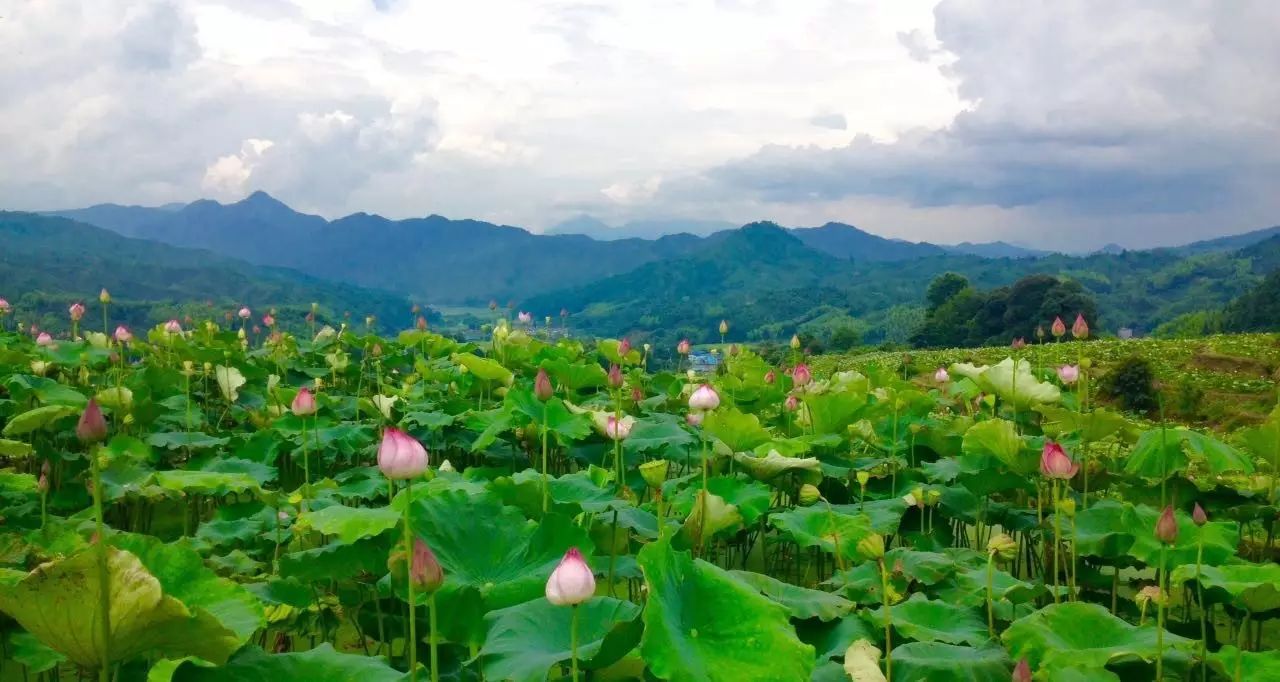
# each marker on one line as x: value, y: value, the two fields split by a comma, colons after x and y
x: 763, y: 276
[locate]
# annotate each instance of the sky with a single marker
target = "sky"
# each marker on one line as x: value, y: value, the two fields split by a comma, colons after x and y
x: 1063, y: 125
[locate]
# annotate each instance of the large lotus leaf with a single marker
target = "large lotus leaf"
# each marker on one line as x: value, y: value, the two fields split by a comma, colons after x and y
x: 1023, y: 390
x: 1220, y: 539
x: 575, y: 376
x: 1107, y: 529
x: 351, y: 523
x: 321, y: 664
x: 1158, y: 454
x: 183, y: 576
x: 831, y: 639
x: 970, y: 588
x: 14, y: 448
x: 938, y: 662
x: 773, y: 465
x: 930, y: 620
x: 833, y: 412
x: 493, y: 548
x: 707, y: 519
x: 1220, y: 457
x: 927, y: 568
x: 1253, y: 587
x: 525, y: 640
x: 886, y: 515
x: 26, y: 649
x: 58, y: 603
x: 817, y: 526
x: 484, y: 368
x: 37, y: 418
x: 205, y: 482
x: 1253, y: 665
x: 740, y: 431
x: 802, y: 602
x: 337, y: 561
x: 490, y: 424
x: 1092, y: 426
x: 185, y: 439
x: 659, y: 432
x: 998, y: 438
x: 609, y: 349
x: 751, y: 498
x: 1080, y: 634
x: 702, y: 624
x: 566, y: 425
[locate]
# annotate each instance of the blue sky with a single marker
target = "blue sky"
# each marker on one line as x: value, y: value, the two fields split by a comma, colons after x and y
x: 1058, y: 124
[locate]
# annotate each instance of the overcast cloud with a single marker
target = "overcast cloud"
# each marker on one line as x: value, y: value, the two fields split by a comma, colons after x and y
x: 1064, y: 124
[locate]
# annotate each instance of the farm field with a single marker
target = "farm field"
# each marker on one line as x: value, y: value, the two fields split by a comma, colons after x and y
x: 193, y: 503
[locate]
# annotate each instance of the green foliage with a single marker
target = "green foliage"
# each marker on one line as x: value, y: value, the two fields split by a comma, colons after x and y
x: 1132, y: 383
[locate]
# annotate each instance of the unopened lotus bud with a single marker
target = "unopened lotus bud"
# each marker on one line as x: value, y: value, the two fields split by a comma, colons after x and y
x: 1085, y: 363
x: 791, y: 404
x: 104, y: 297
x: 1151, y: 594
x: 93, y: 426
x: 1022, y: 671
x: 446, y: 466
x: 809, y: 494
x: 654, y: 472
x: 615, y: 376
x: 208, y: 367
x: 1002, y: 547
x: 683, y: 347
x: 724, y: 327
x: 1066, y: 506
x: 932, y: 497
x: 863, y: 478
x: 1198, y: 515
x: 1167, y: 527
x: 637, y: 394
x: 770, y: 377
x: 624, y: 347
x: 188, y: 368
x: 795, y: 342
x: 872, y: 546
x: 424, y: 569
x: 1080, y: 329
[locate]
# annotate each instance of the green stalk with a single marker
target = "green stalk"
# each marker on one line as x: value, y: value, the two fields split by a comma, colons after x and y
x: 1057, y: 541
x: 104, y: 582
x: 306, y: 467
x: 573, y: 643
x: 545, y: 483
x: 1241, y: 641
x: 412, y: 644
x: 613, y: 549
x: 105, y: 329
x: 991, y: 618
x: 1071, y: 555
x: 1204, y: 637
x: 888, y: 623
x: 702, y: 525
x: 435, y: 653
x: 1160, y: 583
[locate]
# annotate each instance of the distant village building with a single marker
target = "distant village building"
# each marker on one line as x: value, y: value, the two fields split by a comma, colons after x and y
x: 703, y: 362
x: 1125, y: 333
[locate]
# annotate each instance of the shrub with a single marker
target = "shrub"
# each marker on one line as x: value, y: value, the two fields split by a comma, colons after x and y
x: 1132, y: 383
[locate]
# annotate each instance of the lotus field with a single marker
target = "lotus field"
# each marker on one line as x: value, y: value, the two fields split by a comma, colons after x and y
x: 197, y: 502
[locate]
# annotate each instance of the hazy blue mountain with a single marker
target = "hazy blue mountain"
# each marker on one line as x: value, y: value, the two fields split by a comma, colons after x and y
x: 1232, y: 242
x: 595, y: 228
x: 849, y: 242
x: 997, y: 249
x: 126, y: 220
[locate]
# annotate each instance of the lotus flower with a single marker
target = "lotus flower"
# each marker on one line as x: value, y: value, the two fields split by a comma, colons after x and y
x: 615, y: 376
x: 1059, y: 327
x: 93, y: 426
x: 76, y: 311
x: 1040, y: 332
x: 424, y: 569
x: 525, y: 317
x: 791, y: 404
x: 542, y: 386
x: 795, y: 342
x: 1054, y: 462
x: 1019, y: 343
x: 1022, y: 671
x: 4, y: 307
x: 941, y: 376
x: 724, y: 327
x: 704, y: 398
x: 1080, y: 329
x: 401, y: 456
x: 44, y: 339
x: 1167, y: 527
x: 245, y: 313
x: 572, y: 582
x: 421, y: 324
x: 683, y: 347
x: 173, y: 327
x: 693, y: 419
x: 303, y: 403
x: 770, y: 377
x: 617, y: 429
x: 624, y: 347
x: 1068, y: 374
x: 801, y: 376
x: 269, y: 320
x: 123, y: 335
x: 104, y: 297
x: 1198, y: 515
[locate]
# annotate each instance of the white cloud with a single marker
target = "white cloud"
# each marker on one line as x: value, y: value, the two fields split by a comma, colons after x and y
x: 229, y: 176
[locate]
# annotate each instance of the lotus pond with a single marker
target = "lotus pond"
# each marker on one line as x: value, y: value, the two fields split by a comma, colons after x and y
x: 177, y: 507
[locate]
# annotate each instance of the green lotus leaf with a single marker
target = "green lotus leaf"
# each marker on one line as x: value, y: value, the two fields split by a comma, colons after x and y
x: 886, y: 515
x: 58, y: 603
x: 205, y: 482
x: 1220, y: 539
x: 833, y: 412
x: 321, y: 664
x: 525, y: 640
x: 1252, y: 587
x: 566, y: 425
x: 705, y: 520
x: 930, y: 620
x: 484, y: 368
x: 817, y: 527
x: 115, y: 398
x: 998, y: 438
x: 37, y: 418
x: 702, y: 624
x: 490, y: 424
x: 575, y: 375
x: 1107, y: 529
x: 26, y: 649
x: 773, y: 465
x: 740, y: 431
x: 350, y: 524
x: 1024, y: 390
x: 970, y: 588
x: 1252, y: 665
x: 751, y: 498
x: 337, y: 561
x: 802, y: 602
x: 1220, y: 457
x: 1092, y: 426
x: 1080, y: 634
x: 662, y: 433
x: 927, y: 568
x: 185, y: 439
x: 832, y: 639
x: 14, y: 448
x: 939, y: 662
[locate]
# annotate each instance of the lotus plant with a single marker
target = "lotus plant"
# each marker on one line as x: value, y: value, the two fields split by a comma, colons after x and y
x: 543, y: 391
x: 1199, y: 518
x: 571, y: 584
x: 1056, y: 466
x: 104, y: 297
x: 402, y: 458
x: 1167, y: 533
x: 92, y: 430
x: 1068, y: 374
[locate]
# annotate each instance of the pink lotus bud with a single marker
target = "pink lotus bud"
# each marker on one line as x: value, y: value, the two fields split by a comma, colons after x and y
x: 683, y: 347
x: 617, y: 429
x: 636, y: 394
x: 44, y: 339
x: 123, y: 335
x: 791, y: 404
x: 257, y: 329
x: 4, y: 307
x: 770, y: 377
x: 525, y: 317
x: 77, y: 311
x: 42, y: 483
x: 401, y: 456
x: 615, y: 376
x: 733, y: 350
x: 624, y: 347
x: 1068, y: 374
x: 1019, y: 343
x: 424, y: 569
x: 1040, y: 331
x: 941, y: 376
x: 173, y: 327
x: 245, y: 313
x: 1198, y: 515
x: 1022, y: 671
x: 269, y: 320
x: 704, y: 398
x: 1059, y: 327
x: 801, y: 376
x: 1080, y: 329
x: 542, y: 387
x: 693, y: 419
x: 310, y: 317
x: 1054, y: 462
x: 303, y: 403
x: 93, y: 426
x: 376, y: 351
x: 421, y: 323
x: 1167, y: 527
x: 572, y: 582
